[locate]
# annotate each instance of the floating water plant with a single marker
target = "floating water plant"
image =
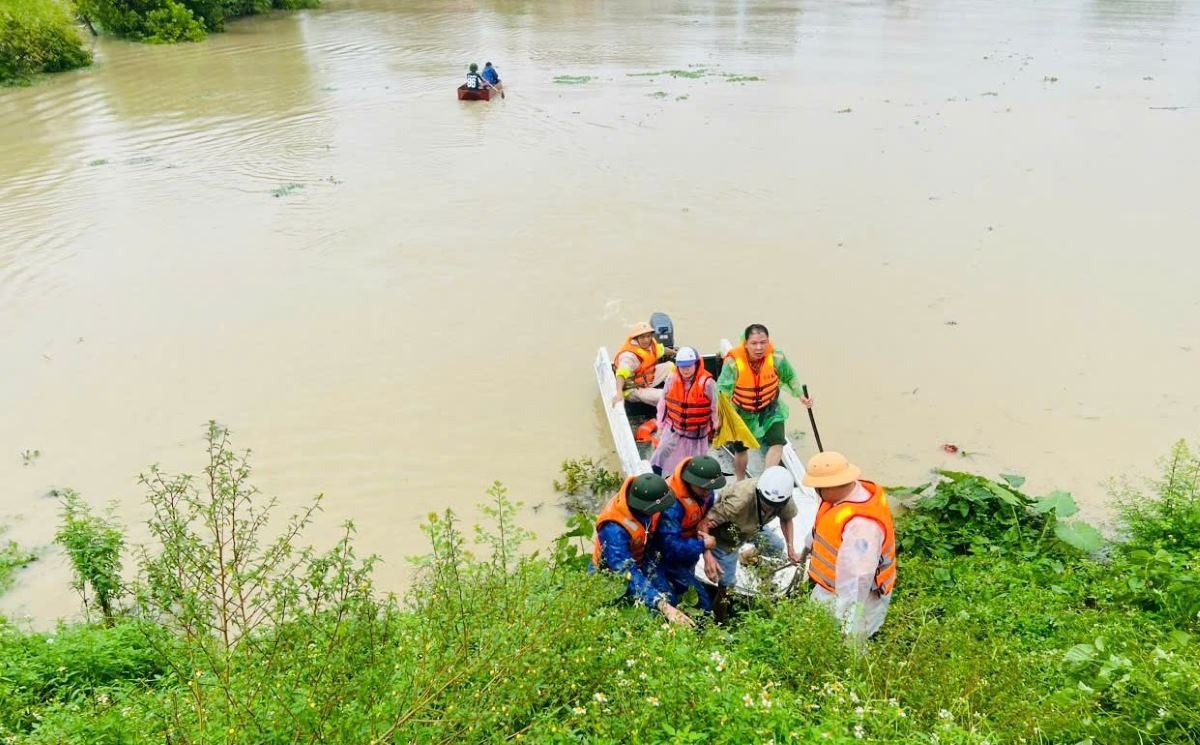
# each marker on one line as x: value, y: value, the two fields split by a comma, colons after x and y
x: 572, y: 79
x: 285, y: 189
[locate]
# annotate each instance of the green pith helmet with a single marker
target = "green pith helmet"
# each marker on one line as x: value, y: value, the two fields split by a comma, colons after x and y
x: 474, y: 67
x: 649, y: 493
x: 704, y: 472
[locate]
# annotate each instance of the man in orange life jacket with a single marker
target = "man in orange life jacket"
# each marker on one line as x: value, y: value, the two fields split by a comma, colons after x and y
x: 640, y: 375
x: 852, y: 547
x: 623, y: 530
x: 752, y: 376
x: 677, y: 545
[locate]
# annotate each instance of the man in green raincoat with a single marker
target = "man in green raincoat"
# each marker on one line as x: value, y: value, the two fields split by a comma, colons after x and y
x: 752, y: 375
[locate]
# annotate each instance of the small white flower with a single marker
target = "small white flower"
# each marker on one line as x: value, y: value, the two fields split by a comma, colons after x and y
x: 747, y: 701
x: 859, y: 732
x: 853, y: 697
x: 943, y: 714
x: 652, y: 700
x: 600, y: 698
x: 859, y: 711
x: 579, y: 710
x: 630, y: 663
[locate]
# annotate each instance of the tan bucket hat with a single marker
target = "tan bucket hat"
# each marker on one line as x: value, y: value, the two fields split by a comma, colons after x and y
x: 639, y: 328
x: 830, y: 469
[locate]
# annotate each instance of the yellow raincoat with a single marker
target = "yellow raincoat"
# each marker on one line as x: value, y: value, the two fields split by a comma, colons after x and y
x: 733, y: 429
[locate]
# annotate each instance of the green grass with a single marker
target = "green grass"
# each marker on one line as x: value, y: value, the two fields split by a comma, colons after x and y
x: 1006, y: 627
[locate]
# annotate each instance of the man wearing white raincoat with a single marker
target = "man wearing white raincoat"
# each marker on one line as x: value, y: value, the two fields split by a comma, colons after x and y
x: 852, y: 546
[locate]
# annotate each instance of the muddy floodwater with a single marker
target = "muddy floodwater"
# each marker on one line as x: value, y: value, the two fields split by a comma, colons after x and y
x: 966, y: 222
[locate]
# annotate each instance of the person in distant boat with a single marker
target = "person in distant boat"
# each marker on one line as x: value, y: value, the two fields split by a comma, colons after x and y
x: 676, y: 545
x: 687, y: 412
x: 852, y: 546
x: 475, y: 81
x: 624, y: 528
x: 492, y: 77
x: 640, y: 375
x: 741, y: 513
x: 752, y: 376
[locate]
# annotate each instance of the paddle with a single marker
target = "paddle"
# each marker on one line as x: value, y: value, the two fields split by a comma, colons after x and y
x: 813, y: 421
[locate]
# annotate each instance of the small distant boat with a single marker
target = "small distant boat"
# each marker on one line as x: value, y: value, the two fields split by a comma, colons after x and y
x: 474, y: 94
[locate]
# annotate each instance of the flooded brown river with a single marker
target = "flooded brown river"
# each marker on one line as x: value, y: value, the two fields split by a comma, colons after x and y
x: 969, y: 222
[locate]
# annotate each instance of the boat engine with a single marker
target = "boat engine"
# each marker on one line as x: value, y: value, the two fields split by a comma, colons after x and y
x: 664, y: 329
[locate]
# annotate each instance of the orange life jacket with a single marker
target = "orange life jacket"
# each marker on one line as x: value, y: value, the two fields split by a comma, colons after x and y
x: 693, y: 511
x: 643, y: 376
x: 754, y: 390
x: 827, y: 539
x: 617, y: 511
x: 689, y: 409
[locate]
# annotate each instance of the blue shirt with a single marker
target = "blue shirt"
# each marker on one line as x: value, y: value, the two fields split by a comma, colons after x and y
x: 490, y: 75
x: 616, y: 547
x: 669, y: 543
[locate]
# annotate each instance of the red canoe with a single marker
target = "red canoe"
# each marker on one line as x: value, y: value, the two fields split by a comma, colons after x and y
x: 474, y: 94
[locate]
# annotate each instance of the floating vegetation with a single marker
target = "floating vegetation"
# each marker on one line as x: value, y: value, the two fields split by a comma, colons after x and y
x: 29, y: 457
x: 846, y: 110
x: 698, y: 72
x: 98, y: 162
x: 731, y: 78
x: 285, y: 189
x: 572, y: 79
x: 684, y: 97
x: 1049, y: 79
x: 658, y: 94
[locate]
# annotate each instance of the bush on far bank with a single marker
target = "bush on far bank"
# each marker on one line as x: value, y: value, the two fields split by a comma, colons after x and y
x: 38, y: 36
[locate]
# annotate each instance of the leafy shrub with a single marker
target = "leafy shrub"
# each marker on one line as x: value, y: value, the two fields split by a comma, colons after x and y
x: 93, y: 544
x: 74, y: 661
x: 962, y: 513
x: 38, y: 36
x: 12, y: 558
x: 586, y: 484
x: 166, y: 21
x: 155, y: 21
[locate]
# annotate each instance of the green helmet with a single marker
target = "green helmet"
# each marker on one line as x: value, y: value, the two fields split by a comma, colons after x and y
x: 649, y: 494
x: 473, y: 67
x: 704, y: 472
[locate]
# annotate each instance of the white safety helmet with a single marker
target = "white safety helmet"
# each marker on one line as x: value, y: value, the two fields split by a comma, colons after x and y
x: 687, y: 356
x: 776, y: 484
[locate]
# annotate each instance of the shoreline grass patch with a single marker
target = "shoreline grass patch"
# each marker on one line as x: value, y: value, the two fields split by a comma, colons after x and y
x: 1000, y: 632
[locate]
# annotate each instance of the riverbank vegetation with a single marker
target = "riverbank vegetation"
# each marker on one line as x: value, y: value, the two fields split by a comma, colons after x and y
x: 1011, y: 624
x: 38, y: 36
x: 168, y: 21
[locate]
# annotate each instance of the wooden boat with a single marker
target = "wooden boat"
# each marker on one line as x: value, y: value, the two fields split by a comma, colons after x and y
x: 474, y: 94
x: 634, y: 458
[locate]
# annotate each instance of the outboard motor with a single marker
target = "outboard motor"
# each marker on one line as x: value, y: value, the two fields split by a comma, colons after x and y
x: 664, y: 329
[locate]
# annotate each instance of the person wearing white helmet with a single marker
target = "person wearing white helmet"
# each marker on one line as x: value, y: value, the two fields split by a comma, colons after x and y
x: 639, y: 372
x: 738, y: 517
x: 687, y: 413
